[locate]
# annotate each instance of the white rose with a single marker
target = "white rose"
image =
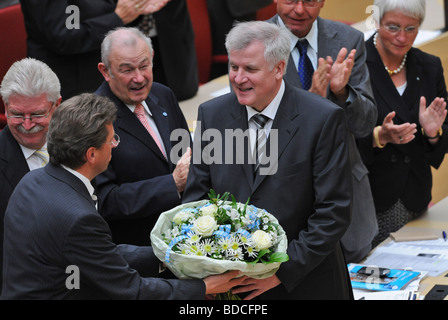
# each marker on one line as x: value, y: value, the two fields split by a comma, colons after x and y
x: 182, y: 216
x: 205, y: 226
x: 209, y: 210
x: 261, y: 239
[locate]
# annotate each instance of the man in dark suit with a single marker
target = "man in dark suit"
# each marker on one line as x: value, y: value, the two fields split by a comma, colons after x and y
x: 143, y: 179
x: 56, y: 244
x: 31, y: 93
x: 305, y: 181
x: 344, y: 80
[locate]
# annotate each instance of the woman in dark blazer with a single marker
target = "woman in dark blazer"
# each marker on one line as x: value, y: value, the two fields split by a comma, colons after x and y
x: 411, y: 133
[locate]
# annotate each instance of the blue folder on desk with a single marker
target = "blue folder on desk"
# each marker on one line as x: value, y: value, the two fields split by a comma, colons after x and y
x: 395, y: 279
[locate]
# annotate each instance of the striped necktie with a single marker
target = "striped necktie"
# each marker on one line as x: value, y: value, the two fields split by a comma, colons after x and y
x: 42, y: 153
x: 306, y: 69
x: 140, y: 113
x: 260, y: 121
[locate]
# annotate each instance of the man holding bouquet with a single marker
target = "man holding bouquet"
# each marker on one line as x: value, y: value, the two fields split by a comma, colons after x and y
x: 299, y: 171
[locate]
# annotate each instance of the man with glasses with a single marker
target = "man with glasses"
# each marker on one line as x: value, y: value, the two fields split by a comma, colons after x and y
x: 333, y: 66
x: 31, y: 92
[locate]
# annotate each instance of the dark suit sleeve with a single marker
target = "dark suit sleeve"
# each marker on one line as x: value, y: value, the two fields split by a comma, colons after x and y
x: 102, y: 265
x: 135, y: 199
x: 47, y: 21
x: 361, y: 112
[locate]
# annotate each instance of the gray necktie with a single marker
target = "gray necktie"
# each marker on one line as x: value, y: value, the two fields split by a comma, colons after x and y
x: 260, y: 121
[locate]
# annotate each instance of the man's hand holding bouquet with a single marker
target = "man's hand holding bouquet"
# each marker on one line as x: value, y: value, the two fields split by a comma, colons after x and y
x: 209, y: 237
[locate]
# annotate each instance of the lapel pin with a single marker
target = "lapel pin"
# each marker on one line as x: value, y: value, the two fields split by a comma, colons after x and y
x: 165, y: 114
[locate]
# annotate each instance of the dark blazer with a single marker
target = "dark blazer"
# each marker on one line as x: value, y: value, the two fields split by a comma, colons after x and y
x: 361, y: 116
x: 175, y: 38
x: 310, y: 193
x: 73, y: 54
x: 404, y: 171
x: 138, y: 184
x: 58, y: 226
x: 13, y: 167
x: 224, y: 13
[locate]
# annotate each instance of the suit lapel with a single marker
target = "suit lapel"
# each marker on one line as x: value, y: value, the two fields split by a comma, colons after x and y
x: 239, y: 122
x: 413, y: 92
x: 68, y: 178
x: 160, y: 115
x: 286, y: 128
x: 14, y: 167
x: 328, y: 44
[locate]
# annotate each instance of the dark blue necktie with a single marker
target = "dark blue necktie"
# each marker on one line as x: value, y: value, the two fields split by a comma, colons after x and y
x: 306, y: 69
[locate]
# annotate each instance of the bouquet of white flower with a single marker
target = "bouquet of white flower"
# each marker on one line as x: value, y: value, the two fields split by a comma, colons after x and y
x: 209, y: 237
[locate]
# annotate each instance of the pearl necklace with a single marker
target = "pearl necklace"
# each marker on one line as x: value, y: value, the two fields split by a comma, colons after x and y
x: 391, y: 72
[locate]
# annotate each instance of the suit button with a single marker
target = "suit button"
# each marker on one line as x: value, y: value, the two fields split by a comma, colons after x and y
x: 393, y: 158
x: 407, y: 160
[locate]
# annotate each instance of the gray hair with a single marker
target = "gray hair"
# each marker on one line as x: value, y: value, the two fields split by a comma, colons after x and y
x: 30, y: 78
x: 276, y: 40
x: 411, y: 8
x: 78, y: 124
x: 109, y: 40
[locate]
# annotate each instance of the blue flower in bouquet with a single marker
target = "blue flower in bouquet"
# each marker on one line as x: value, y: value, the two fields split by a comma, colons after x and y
x: 224, y: 230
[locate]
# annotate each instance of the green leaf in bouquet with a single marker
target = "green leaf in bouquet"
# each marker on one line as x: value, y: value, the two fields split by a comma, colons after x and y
x: 227, y: 296
x: 261, y: 253
x: 279, y: 257
x: 215, y: 199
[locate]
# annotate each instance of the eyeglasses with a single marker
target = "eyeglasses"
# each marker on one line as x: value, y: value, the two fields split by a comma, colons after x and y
x: 395, y: 29
x: 115, y: 141
x: 36, y: 118
x: 306, y: 3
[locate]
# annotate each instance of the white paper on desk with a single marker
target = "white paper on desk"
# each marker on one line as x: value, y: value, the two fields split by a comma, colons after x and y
x: 425, y: 255
x: 385, y: 295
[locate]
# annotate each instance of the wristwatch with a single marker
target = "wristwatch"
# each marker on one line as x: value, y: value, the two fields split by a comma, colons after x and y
x: 439, y: 133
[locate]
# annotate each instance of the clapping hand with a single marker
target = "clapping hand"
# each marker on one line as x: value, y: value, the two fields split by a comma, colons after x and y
x: 129, y: 10
x: 432, y: 117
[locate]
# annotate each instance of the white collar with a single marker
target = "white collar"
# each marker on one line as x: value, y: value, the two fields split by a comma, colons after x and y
x: 81, y: 177
x: 132, y: 107
x: 312, y: 36
x: 27, y: 152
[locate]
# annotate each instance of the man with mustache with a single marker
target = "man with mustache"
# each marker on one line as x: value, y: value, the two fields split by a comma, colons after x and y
x: 31, y: 92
